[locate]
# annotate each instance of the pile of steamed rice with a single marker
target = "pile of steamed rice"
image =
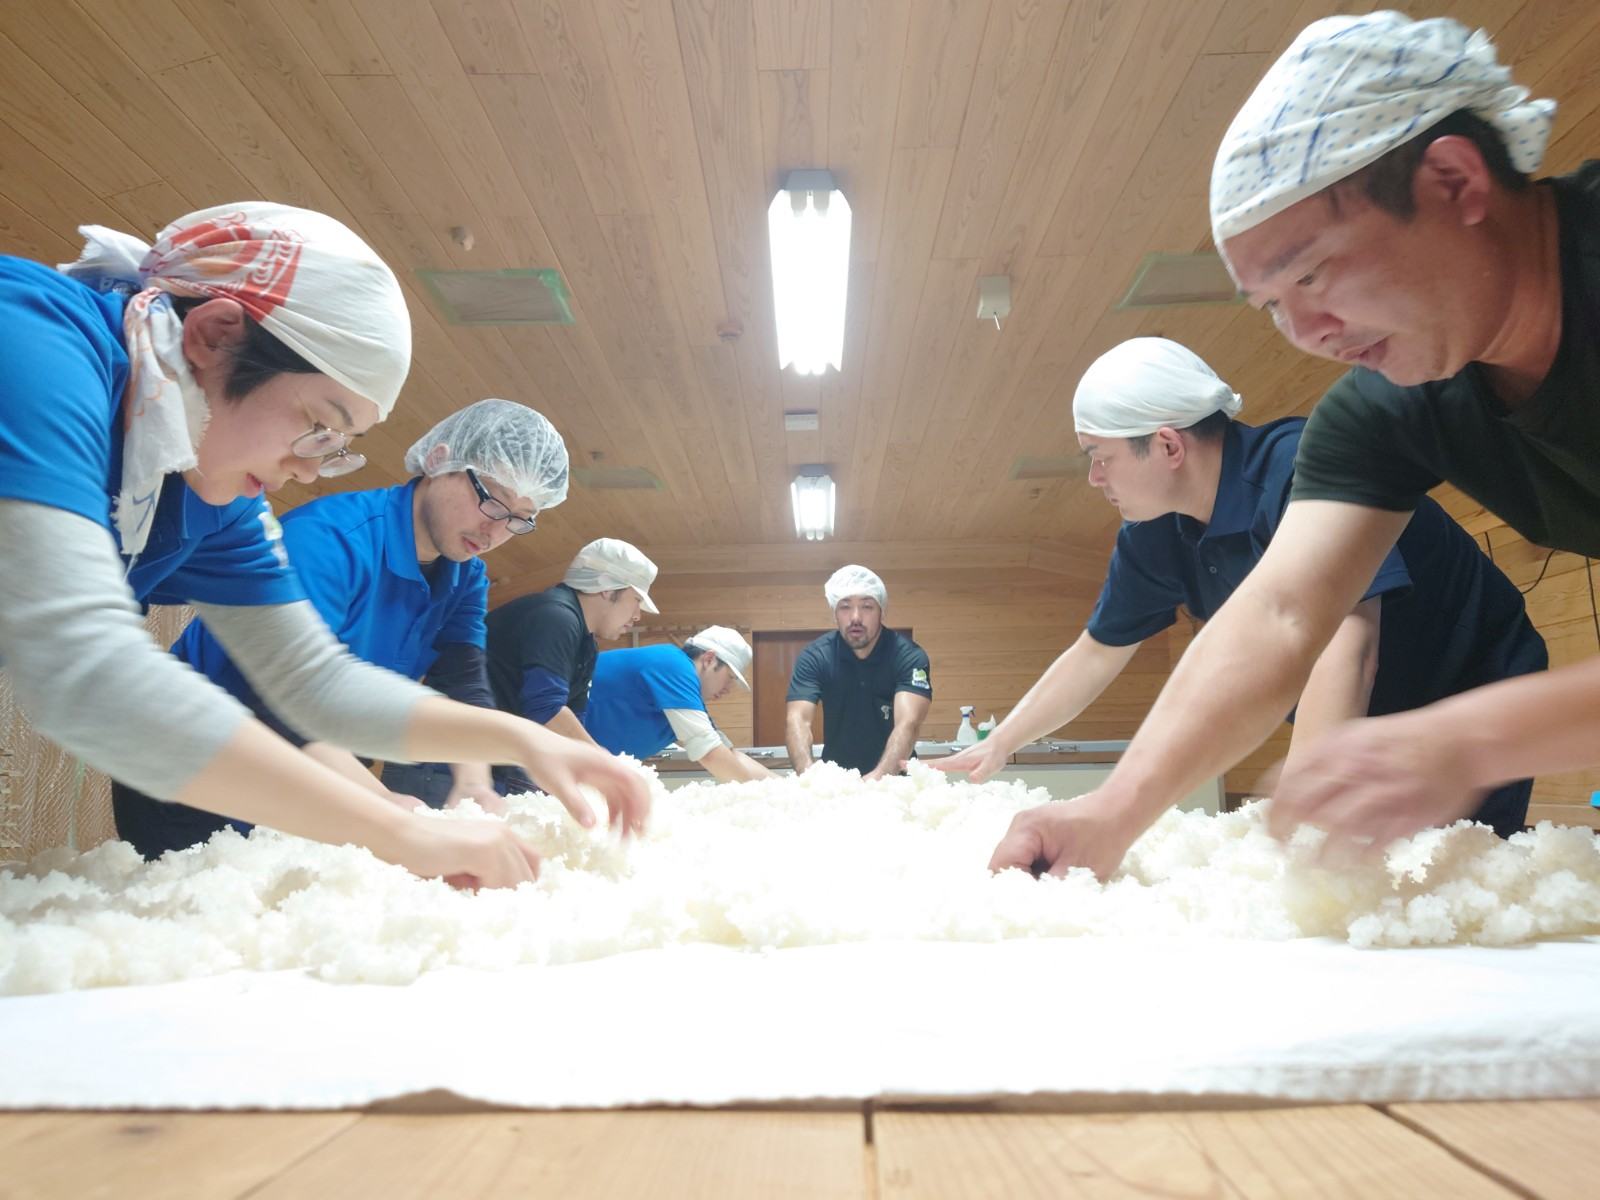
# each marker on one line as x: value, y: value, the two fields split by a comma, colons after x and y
x: 787, y: 862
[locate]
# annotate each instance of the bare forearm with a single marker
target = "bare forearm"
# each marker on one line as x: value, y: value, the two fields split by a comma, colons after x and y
x: 259, y: 778
x: 345, y: 763
x: 902, y: 740
x: 1069, y: 685
x: 1539, y: 724
x: 730, y: 766
x: 799, y: 744
x: 1340, y: 686
x: 566, y: 723
x: 1228, y: 693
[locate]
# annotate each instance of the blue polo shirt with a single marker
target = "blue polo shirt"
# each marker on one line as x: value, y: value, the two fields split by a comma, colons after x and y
x: 1450, y: 619
x: 61, y: 434
x: 631, y: 692
x: 356, y: 554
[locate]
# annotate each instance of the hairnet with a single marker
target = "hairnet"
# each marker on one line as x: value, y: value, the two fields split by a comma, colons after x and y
x: 1145, y: 383
x: 854, y: 581
x: 505, y: 440
x: 1347, y: 91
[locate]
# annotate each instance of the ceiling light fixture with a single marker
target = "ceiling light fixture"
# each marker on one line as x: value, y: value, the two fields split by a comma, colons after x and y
x: 812, y: 495
x: 809, y: 227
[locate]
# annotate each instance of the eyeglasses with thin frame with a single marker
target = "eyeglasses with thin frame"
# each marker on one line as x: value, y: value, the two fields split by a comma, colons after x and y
x: 332, y: 447
x: 495, y: 511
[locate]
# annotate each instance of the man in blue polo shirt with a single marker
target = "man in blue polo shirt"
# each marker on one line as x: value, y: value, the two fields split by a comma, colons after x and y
x: 645, y: 698
x: 1201, y: 496
x: 396, y: 574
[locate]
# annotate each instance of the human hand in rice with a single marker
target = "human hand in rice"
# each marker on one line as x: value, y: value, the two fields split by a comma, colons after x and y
x: 475, y: 782
x: 467, y: 854
x: 1088, y: 831
x: 977, y: 762
x: 563, y: 765
x: 1368, y: 782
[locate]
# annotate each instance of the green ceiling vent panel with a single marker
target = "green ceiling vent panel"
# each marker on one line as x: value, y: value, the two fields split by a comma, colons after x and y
x: 1169, y: 280
x: 513, y: 297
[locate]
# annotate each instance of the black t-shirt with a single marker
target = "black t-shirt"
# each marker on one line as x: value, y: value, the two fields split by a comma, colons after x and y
x: 1537, y: 468
x: 545, y: 632
x: 857, y: 694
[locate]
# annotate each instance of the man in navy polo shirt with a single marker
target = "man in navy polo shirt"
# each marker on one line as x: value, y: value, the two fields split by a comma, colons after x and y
x: 873, y: 684
x: 1201, y: 496
x: 396, y: 574
x: 645, y: 698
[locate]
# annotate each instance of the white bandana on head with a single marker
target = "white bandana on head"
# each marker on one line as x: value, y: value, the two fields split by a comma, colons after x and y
x: 1349, y: 90
x: 1145, y: 384
x: 304, y: 277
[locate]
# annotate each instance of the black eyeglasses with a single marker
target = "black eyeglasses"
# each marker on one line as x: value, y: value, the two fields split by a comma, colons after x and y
x: 495, y: 511
x: 332, y: 447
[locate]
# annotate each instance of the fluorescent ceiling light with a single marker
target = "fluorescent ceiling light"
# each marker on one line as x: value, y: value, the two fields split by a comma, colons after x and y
x: 812, y: 497
x: 809, y: 226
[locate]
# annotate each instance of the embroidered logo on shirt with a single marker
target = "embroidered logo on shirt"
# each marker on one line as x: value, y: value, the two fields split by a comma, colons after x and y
x: 919, y: 677
x: 274, y: 535
x: 884, y: 709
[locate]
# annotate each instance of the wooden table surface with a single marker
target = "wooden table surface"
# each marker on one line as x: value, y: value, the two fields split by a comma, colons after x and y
x: 1458, y: 1151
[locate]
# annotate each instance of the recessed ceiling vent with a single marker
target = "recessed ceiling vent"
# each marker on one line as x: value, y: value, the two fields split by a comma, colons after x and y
x: 511, y: 297
x: 1050, y: 468
x: 1166, y: 280
x: 616, y: 478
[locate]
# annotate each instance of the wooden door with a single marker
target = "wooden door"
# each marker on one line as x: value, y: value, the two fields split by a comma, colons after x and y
x: 774, y: 664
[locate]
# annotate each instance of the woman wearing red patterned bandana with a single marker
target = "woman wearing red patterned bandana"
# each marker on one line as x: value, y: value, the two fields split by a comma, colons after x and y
x: 154, y: 393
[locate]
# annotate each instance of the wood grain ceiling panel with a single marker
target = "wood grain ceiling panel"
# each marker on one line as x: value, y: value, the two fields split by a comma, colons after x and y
x: 634, y: 145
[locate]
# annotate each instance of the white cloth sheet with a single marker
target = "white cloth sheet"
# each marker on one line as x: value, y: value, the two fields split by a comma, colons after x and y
x: 1308, y: 1020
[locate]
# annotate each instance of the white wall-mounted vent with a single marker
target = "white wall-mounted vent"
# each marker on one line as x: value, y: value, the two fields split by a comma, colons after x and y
x: 1164, y: 280
x: 511, y: 297
x: 1050, y: 468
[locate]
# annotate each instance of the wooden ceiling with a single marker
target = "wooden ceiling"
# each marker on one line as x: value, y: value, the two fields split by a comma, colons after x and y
x: 634, y: 145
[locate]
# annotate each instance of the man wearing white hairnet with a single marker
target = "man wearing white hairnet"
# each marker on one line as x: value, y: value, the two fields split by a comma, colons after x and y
x: 647, y: 697
x: 873, y: 684
x: 1201, y: 496
x: 542, y: 646
x: 395, y: 573
x: 1374, y: 196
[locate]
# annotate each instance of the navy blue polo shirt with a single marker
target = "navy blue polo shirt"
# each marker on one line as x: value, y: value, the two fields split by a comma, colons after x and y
x: 61, y: 434
x: 857, y: 694
x: 631, y: 693
x: 1450, y: 619
x: 541, y: 654
x: 356, y: 554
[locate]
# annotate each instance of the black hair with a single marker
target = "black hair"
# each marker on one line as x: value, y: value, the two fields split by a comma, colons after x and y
x: 1386, y: 183
x: 1209, y: 428
x: 259, y: 357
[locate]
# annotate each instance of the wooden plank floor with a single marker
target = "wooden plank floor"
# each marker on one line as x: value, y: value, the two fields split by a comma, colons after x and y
x: 1460, y: 1151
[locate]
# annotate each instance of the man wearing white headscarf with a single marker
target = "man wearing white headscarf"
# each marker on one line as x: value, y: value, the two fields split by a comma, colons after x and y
x: 1373, y: 195
x: 874, y: 684
x: 152, y: 395
x: 1201, y: 497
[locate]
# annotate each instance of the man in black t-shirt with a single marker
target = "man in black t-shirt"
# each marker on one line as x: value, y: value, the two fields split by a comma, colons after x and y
x: 1373, y: 196
x: 542, y: 646
x: 873, y: 684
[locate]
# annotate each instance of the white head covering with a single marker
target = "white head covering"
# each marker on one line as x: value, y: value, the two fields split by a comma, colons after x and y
x: 1349, y: 90
x: 608, y: 563
x: 307, y: 279
x: 730, y: 648
x: 1144, y: 384
x: 854, y: 581
x: 502, y: 439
